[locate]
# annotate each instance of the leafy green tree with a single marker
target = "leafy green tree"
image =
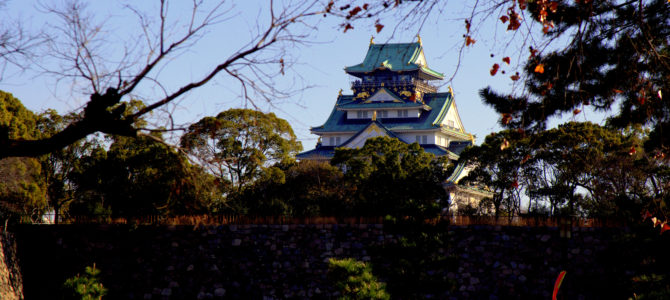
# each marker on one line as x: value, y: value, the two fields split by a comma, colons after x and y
x: 394, y: 178
x: 140, y: 177
x: 59, y: 166
x: 498, y: 166
x: 354, y: 279
x: 87, y: 286
x: 305, y: 188
x: 21, y: 191
x: 237, y: 144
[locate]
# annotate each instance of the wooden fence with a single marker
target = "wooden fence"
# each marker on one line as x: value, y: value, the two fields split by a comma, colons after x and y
x: 232, y: 219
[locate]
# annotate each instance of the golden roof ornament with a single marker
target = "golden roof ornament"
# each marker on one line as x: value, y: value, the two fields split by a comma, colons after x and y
x: 372, y: 40
x: 451, y: 91
x: 374, y: 115
x: 419, y: 39
x: 339, y: 93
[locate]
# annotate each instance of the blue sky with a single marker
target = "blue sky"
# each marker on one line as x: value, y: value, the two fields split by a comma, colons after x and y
x: 318, y: 64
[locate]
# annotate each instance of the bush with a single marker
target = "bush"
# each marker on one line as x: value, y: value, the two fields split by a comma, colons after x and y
x: 88, y: 286
x: 354, y: 280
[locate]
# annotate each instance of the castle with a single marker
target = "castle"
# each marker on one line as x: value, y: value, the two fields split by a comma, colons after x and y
x: 393, y: 96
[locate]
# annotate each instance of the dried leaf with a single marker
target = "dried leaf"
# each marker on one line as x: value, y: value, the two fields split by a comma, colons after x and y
x: 539, y: 68
x: 504, y: 145
x: 506, y: 59
x: 515, y: 184
x: 515, y: 77
x: 646, y: 215
x: 494, y: 69
x: 379, y: 27
x: 347, y: 27
x: 281, y: 65
x: 355, y: 11
x: 522, y: 4
x: 553, y: 6
x: 467, y: 26
x: 506, y: 118
x: 632, y: 150
x: 576, y: 111
x: 365, y: 6
x: 664, y: 227
x: 469, y: 41
x: 504, y: 19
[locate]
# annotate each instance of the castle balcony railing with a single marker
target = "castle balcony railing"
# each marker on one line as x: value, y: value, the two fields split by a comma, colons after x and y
x: 401, y: 84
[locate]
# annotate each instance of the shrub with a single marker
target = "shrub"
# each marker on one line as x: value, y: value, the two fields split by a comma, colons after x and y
x: 354, y: 279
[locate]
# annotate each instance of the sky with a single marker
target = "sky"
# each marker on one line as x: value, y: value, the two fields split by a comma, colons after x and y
x: 316, y: 77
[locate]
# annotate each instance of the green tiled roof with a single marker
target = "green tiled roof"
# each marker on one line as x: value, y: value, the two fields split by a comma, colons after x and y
x: 395, y: 57
x: 338, y: 122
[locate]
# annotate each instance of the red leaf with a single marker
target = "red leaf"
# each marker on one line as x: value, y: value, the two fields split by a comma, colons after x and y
x: 617, y: 91
x: 557, y: 284
x: 641, y: 100
x: 365, y: 6
x: 515, y: 184
x: 347, y: 27
x: 553, y: 6
x: 494, y: 69
x: 632, y: 150
x: 665, y: 227
x: 576, y: 111
x: 525, y: 159
x: 514, y: 77
x: 467, y: 25
x: 506, y: 59
x: 469, y: 41
x: 506, y: 118
x: 379, y: 27
x: 539, y: 68
x: 522, y: 4
x: 355, y: 11
x: 504, y: 19
x: 646, y: 215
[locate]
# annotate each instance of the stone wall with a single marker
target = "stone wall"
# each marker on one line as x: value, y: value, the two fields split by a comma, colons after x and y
x: 11, y: 285
x: 290, y: 261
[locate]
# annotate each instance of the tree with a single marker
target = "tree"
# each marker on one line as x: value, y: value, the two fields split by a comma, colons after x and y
x: 301, y: 189
x: 59, y: 166
x: 616, y: 54
x: 112, y: 72
x: 139, y: 176
x: 394, y: 178
x: 237, y: 144
x: 21, y: 191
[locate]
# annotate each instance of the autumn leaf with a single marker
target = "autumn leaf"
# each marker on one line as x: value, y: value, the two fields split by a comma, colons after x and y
x: 281, y: 64
x: 533, y: 52
x: 506, y: 118
x: 365, y: 6
x: 525, y: 159
x: 469, y: 41
x: 632, y: 150
x: 504, y: 144
x: 641, y: 100
x: 522, y: 4
x: 347, y: 27
x: 506, y: 59
x: 379, y: 27
x: 617, y: 91
x: 494, y: 69
x: 665, y: 227
x: 345, y: 7
x: 355, y: 11
x: 576, y: 111
x: 467, y: 26
x: 515, y: 184
x: 553, y: 6
x: 504, y: 19
x: 515, y: 77
x: 539, y: 68
x: 646, y: 215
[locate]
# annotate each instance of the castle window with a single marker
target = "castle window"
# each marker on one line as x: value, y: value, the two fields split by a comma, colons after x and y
x: 337, y: 141
x: 402, y: 113
x: 332, y: 141
x: 383, y: 114
x: 425, y: 139
x: 365, y: 114
x: 418, y: 139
